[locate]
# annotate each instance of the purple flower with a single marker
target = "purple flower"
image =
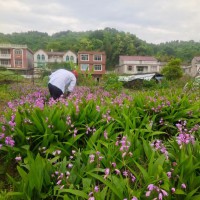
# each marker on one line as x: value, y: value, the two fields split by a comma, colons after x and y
x: 62, y: 186
x: 160, y: 196
x: 151, y: 187
x: 148, y: 193
x: 92, y: 156
x: 59, y: 182
x: 173, y: 190
x: 96, y: 188
x: 113, y: 164
x: 117, y: 171
x: 169, y: 174
x: 70, y: 165
x: 9, y: 141
x: 134, y: 198
x: 18, y: 158
x: 107, y: 171
x: 2, y: 135
x: 164, y: 192
x: 183, y: 186
x: 105, y: 135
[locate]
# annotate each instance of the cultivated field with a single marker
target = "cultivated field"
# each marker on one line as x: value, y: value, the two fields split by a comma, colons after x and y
x: 100, y: 144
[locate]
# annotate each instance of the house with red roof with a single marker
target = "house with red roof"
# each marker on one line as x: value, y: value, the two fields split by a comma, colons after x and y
x: 137, y: 65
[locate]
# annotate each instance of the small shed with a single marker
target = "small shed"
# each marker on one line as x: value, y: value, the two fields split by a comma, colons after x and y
x: 136, y: 79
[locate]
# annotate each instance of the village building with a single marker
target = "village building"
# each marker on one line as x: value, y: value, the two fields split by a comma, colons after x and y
x: 137, y: 64
x: 42, y: 58
x: 16, y: 57
x: 93, y: 62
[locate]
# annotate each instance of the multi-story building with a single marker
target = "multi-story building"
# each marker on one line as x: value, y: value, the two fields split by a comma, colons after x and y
x: 16, y: 56
x: 41, y: 57
x: 137, y: 65
x: 93, y: 62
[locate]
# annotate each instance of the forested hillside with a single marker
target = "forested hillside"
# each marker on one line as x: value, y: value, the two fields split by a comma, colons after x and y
x: 110, y: 40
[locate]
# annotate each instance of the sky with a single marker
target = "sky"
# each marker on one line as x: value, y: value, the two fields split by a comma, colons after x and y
x: 154, y: 21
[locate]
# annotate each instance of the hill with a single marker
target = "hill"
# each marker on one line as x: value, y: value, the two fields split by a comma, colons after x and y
x: 110, y: 40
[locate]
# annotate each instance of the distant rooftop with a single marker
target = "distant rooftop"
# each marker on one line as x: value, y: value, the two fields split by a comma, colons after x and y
x: 197, y: 58
x: 137, y: 58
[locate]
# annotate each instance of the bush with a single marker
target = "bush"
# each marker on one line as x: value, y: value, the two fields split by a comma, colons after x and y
x: 111, y: 82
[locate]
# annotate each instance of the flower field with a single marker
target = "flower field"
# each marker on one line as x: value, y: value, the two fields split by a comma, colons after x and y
x: 100, y: 145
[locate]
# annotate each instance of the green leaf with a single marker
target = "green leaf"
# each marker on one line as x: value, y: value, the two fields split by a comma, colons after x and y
x: 86, y: 183
x: 107, y: 183
x: 75, y: 192
x: 178, y: 191
x: 23, y: 174
x: 143, y: 171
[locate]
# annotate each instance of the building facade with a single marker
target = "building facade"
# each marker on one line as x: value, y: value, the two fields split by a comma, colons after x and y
x: 137, y: 65
x: 15, y: 56
x: 195, y: 66
x: 41, y: 57
x: 93, y: 62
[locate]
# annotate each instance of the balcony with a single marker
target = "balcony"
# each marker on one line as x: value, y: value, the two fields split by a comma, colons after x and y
x: 13, y: 46
x: 5, y: 65
x: 5, y: 56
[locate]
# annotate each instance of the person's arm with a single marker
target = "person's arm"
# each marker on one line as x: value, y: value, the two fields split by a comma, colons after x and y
x: 65, y: 95
x: 72, y: 85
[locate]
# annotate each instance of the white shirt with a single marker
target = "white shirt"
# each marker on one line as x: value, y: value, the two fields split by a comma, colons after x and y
x: 62, y: 79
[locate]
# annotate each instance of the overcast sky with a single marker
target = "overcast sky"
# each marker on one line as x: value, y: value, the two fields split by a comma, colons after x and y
x: 154, y: 21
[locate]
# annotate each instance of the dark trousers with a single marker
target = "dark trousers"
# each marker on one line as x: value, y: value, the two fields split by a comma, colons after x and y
x: 54, y: 91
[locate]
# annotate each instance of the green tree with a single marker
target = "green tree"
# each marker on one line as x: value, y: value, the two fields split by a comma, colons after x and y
x: 173, y: 69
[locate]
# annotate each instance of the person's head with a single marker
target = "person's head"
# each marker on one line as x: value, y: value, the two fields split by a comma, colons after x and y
x: 75, y: 73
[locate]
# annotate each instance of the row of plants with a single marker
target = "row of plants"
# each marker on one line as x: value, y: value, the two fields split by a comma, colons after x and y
x: 99, y: 144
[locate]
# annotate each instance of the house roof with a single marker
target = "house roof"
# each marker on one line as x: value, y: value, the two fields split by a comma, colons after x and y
x: 55, y: 53
x: 197, y: 58
x: 137, y: 58
x: 145, y: 76
x: 92, y: 52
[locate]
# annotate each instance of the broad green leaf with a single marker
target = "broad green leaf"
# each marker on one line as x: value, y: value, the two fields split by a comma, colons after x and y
x: 107, y: 183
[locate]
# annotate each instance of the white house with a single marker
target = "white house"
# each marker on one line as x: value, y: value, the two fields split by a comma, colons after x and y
x: 137, y: 65
x: 41, y: 57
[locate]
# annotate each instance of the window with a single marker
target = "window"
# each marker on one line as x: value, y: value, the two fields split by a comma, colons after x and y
x: 97, y: 57
x: 67, y: 58
x: 38, y: 57
x: 154, y: 68
x: 18, y: 62
x: 43, y: 57
x: 18, y: 51
x: 5, y: 51
x: 72, y: 58
x: 84, y: 67
x: 97, y: 68
x: 129, y: 68
x: 84, y: 57
x: 5, y: 62
x: 140, y: 69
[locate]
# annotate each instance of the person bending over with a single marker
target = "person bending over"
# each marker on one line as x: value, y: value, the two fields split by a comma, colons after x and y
x: 62, y: 82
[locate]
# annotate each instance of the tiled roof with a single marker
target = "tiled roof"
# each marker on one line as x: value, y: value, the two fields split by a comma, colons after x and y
x: 55, y: 53
x: 197, y: 58
x: 92, y: 52
x: 137, y: 58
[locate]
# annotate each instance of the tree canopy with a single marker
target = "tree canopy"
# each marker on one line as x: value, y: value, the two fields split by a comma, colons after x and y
x: 110, y: 40
x: 173, y: 69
